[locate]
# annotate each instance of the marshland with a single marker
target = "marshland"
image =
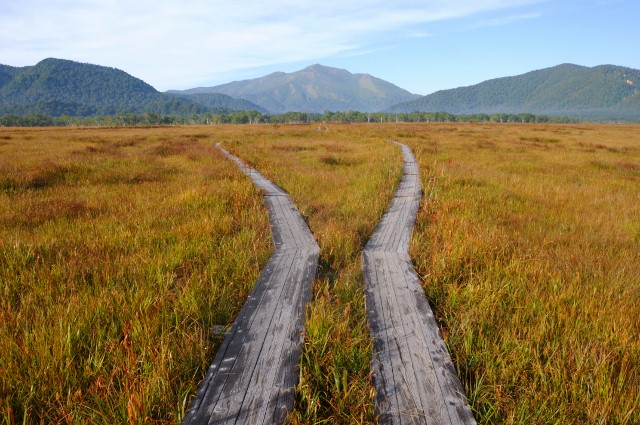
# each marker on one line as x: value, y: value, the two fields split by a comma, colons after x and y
x: 126, y: 252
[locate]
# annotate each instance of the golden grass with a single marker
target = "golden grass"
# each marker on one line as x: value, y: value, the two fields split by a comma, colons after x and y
x: 342, y: 181
x: 528, y: 243
x: 120, y: 249
x: 118, y: 197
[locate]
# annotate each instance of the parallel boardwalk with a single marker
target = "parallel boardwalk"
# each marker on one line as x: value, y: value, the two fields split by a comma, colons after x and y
x: 252, y: 378
x: 414, y: 378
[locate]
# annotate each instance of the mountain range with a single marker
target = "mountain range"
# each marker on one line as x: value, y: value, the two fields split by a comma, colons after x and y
x: 604, y: 91
x: 61, y: 87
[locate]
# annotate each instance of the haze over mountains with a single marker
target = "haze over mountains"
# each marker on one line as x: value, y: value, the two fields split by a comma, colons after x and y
x: 61, y: 87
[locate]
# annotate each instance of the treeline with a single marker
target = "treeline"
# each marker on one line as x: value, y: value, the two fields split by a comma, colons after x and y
x: 355, y: 116
x: 255, y: 117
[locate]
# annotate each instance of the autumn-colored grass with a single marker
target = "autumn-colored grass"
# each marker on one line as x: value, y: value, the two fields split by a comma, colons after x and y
x: 342, y: 181
x: 121, y: 249
x: 528, y: 243
x: 151, y: 236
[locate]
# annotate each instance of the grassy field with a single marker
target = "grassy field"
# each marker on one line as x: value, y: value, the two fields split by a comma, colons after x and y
x: 528, y: 243
x: 342, y: 181
x: 120, y: 249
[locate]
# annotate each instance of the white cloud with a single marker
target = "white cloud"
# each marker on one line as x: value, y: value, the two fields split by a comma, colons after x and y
x: 182, y: 44
x: 506, y: 20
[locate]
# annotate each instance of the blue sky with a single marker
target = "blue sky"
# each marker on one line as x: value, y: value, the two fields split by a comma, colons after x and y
x: 420, y: 45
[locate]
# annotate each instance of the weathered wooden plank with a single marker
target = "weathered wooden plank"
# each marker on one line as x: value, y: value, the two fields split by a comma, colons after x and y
x: 413, y: 374
x: 409, y: 186
x: 394, y: 230
x: 288, y: 227
x: 253, y: 374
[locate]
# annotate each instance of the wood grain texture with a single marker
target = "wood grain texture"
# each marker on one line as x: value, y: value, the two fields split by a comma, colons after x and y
x: 414, y: 377
x: 253, y: 375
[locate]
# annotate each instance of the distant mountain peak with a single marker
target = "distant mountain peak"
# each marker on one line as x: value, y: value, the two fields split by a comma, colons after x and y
x: 324, y: 68
x: 316, y: 88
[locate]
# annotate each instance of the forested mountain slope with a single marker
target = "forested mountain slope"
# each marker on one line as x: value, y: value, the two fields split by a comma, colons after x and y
x: 604, y: 91
x: 63, y: 87
x: 218, y: 102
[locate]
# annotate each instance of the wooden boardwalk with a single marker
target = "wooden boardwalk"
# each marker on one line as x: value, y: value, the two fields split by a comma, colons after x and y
x: 253, y: 375
x: 414, y: 377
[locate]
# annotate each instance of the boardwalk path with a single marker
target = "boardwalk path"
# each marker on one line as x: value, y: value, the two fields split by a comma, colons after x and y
x: 414, y: 378
x: 252, y: 378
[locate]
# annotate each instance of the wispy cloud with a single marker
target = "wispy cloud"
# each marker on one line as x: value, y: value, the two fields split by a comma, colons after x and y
x: 179, y: 44
x: 506, y: 20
